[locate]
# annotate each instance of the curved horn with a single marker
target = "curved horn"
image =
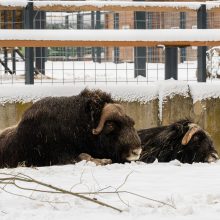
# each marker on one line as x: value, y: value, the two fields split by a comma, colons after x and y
x: 193, y: 128
x: 109, y: 110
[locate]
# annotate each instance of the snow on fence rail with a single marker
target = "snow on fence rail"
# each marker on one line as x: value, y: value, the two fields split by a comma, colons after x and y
x: 109, y: 6
x: 108, y: 38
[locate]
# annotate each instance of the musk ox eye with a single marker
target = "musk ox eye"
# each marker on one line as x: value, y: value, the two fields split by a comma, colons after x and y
x: 195, y: 138
x: 109, y: 127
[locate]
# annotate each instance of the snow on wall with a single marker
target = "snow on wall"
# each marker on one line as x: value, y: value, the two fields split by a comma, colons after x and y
x: 170, y: 88
x: 203, y: 91
x: 29, y: 93
x: 128, y: 93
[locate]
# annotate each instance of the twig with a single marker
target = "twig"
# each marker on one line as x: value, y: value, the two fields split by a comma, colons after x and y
x: 27, y: 197
x: 119, y: 196
x: 5, y: 213
x: 24, y: 178
x: 80, y: 181
x: 144, y: 197
x: 131, y: 193
x: 125, y: 180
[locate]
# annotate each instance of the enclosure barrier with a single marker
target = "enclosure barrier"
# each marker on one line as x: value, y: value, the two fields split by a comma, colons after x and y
x: 70, y: 6
x: 167, y: 38
x: 110, y: 38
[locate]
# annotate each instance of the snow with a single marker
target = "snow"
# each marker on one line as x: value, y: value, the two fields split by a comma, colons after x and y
x: 125, y: 93
x: 29, y: 93
x: 170, y: 88
x: 99, y: 4
x: 190, y: 5
x: 212, y: 5
x: 16, y: 3
x: 161, y: 35
x: 192, y: 189
x: 175, y: 5
x: 202, y: 91
x: 213, y: 62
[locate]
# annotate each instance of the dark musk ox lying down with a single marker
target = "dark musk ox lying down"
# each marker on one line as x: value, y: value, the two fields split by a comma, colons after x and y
x: 55, y: 130
x: 182, y: 140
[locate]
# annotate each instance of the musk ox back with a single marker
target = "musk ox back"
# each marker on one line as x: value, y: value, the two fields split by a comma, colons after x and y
x: 56, y: 130
x: 182, y: 140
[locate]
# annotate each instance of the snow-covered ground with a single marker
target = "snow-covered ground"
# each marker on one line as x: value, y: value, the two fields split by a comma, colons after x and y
x: 192, y: 190
x: 107, y: 73
x: 84, y: 72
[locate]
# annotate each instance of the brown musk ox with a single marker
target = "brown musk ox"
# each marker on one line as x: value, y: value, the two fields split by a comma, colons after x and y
x: 55, y: 130
x: 182, y: 140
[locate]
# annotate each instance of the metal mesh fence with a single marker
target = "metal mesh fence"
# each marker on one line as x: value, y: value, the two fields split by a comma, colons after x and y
x: 107, y: 64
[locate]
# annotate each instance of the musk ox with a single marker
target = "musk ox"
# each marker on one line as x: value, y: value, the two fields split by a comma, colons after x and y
x: 55, y: 130
x: 182, y: 140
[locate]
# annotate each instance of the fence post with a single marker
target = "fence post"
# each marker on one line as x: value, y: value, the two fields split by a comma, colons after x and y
x: 29, y: 51
x: 116, y: 49
x: 201, y: 51
x: 171, y: 62
x: 40, y: 52
x: 182, y: 26
x: 140, y: 52
x: 13, y: 51
x: 149, y: 25
x: 98, y: 26
x: 79, y: 50
x: 5, y: 15
x: 93, y: 27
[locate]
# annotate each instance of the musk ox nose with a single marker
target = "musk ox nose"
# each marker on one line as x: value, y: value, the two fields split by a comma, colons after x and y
x: 134, y: 154
x: 213, y: 157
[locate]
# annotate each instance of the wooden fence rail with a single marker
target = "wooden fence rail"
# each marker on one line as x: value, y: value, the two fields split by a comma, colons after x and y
x: 109, y: 38
x: 112, y: 6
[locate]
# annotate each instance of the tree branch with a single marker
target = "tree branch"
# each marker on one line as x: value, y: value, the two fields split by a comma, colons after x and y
x: 24, y: 178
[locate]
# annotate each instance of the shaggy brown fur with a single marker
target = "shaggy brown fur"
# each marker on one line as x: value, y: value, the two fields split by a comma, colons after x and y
x: 170, y: 142
x: 57, y: 130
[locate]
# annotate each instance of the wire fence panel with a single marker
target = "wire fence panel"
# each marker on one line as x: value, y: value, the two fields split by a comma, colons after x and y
x: 103, y: 64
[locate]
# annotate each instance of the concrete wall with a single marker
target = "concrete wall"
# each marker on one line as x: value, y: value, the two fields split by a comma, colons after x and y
x: 206, y: 113
x: 10, y: 113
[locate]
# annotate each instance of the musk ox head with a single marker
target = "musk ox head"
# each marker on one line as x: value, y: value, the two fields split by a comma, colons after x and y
x: 116, y: 134
x: 198, y: 145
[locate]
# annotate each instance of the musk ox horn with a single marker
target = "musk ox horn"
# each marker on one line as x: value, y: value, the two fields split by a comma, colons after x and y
x: 108, y: 111
x: 193, y: 128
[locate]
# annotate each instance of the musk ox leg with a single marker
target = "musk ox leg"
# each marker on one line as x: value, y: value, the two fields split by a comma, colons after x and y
x: 87, y: 157
x: 9, y: 152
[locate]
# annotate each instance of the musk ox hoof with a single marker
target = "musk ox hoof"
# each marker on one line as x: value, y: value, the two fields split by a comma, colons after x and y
x: 87, y: 157
x: 102, y: 161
